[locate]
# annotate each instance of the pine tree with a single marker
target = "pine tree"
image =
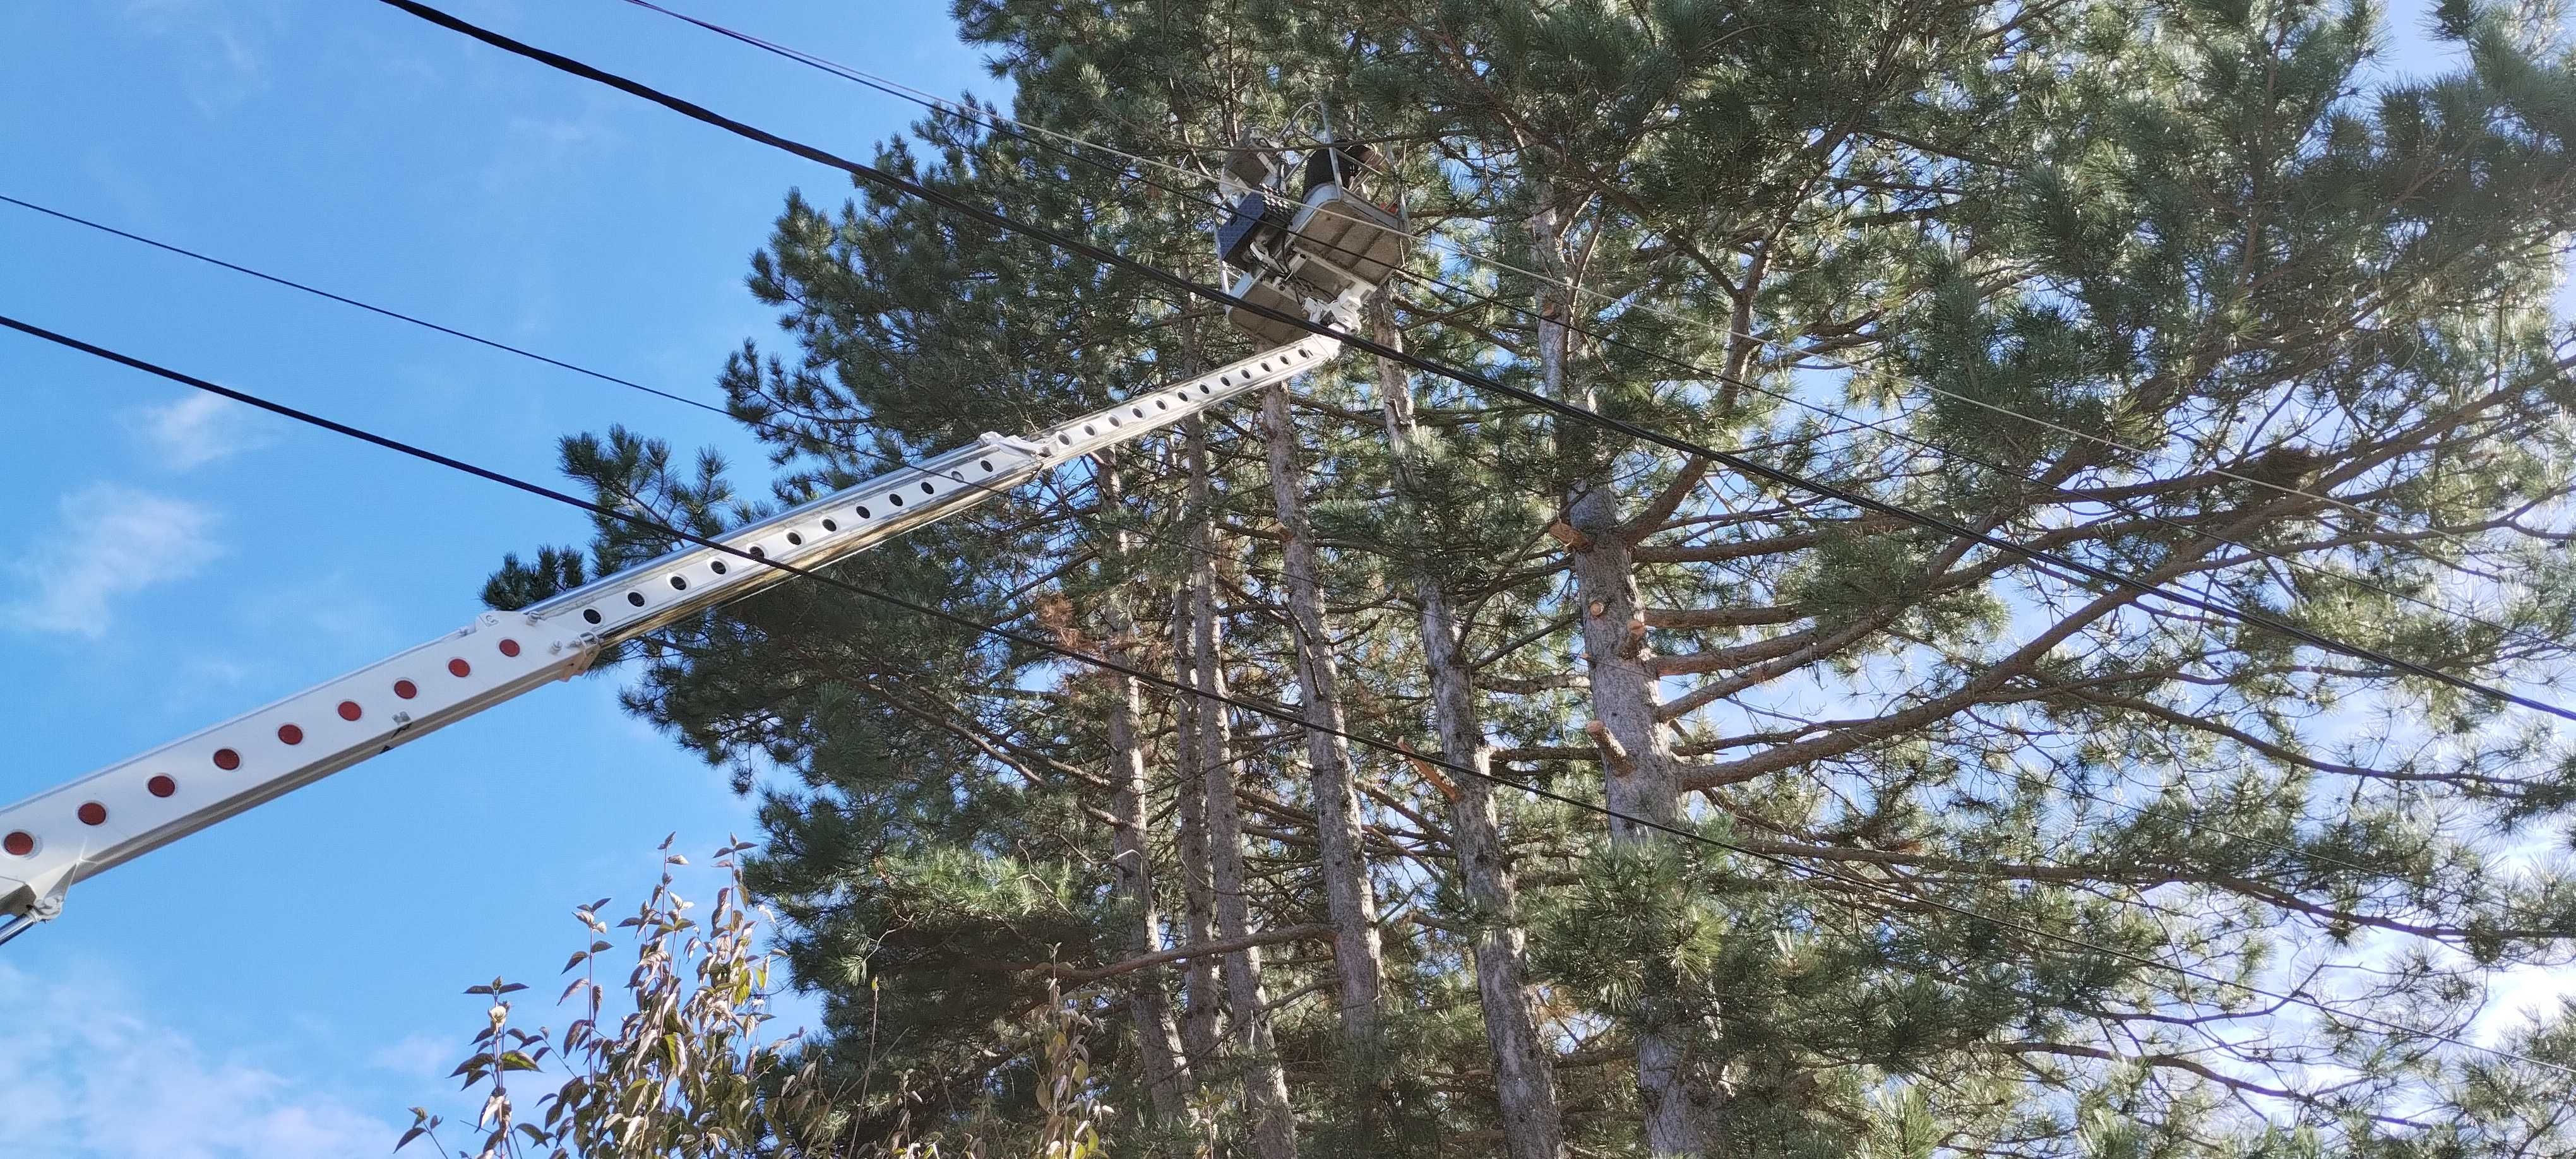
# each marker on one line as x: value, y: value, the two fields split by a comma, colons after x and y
x: 2159, y: 287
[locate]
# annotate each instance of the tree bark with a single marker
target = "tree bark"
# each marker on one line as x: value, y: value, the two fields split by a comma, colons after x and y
x: 1200, y: 999
x: 1166, y: 1071
x: 1644, y: 787
x: 1265, y: 1085
x: 1349, y: 899
x: 1524, y: 1069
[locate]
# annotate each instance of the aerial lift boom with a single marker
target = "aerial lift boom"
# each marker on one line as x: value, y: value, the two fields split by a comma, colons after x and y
x: 128, y: 809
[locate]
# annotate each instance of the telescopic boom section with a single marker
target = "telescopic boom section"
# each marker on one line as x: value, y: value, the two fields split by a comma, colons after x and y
x: 130, y: 808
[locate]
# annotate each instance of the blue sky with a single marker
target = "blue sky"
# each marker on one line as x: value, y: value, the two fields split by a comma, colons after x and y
x: 285, y: 983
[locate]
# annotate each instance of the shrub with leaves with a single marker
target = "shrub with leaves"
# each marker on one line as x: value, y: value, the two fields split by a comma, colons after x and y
x: 685, y: 1072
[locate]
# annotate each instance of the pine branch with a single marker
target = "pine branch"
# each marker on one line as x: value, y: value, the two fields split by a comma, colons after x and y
x: 1083, y: 976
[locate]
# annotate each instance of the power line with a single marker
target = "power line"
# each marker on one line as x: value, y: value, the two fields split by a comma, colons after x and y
x: 810, y: 440
x: 1267, y: 572
x: 907, y: 92
x: 997, y: 120
x: 1169, y: 542
x: 927, y: 101
x: 576, y: 368
x: 1281, y: 715
x: 1011, y: 127
x: 1738, y: 462
x: 2455, y: 894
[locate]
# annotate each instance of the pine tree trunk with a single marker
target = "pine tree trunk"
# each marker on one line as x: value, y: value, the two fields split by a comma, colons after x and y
x: 1158, y: 1045
x: 1265, y: 1085
x: 1166, y: 1075
x: 1349, y: 899
x: 1641, y: 781
x: 1644, y: 787
x: 1524, y: 1071
x: 1200, y: 998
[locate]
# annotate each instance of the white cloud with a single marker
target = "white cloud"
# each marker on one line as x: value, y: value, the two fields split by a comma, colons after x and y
x: 196, y: 430
x: 111, y: 541
x: 2521, y: 997
x: 417, y: 1056
x: 332, y: 609
x: 220, y: 58
x: 84, y: 1073
x: 215, y: 670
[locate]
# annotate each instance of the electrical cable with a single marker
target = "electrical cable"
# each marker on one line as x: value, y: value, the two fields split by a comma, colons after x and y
x: 1012, y: 128
x: 811, y: 440
x: 2135, y: 810
x: 894, y: 88
x: 1468, y: 378
x: 1805, y: 872
x: 1193, y: 548
x: 907, y: 92
x: 674, y: 532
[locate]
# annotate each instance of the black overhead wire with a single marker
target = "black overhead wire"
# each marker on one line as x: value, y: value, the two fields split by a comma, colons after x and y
x: 1137, y: 532
x: 1189, y: 547
x: 1469, y: 378
x: 1003, y: 126
x: 1280, y: 713
x: 1151, y: 479
x: 2455, y: 894
x: 1803, y: 872
x: 804, y: 437
x: 1006, y: 127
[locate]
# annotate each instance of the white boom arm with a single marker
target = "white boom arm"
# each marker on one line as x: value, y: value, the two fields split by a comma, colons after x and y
x: 134, y: 806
